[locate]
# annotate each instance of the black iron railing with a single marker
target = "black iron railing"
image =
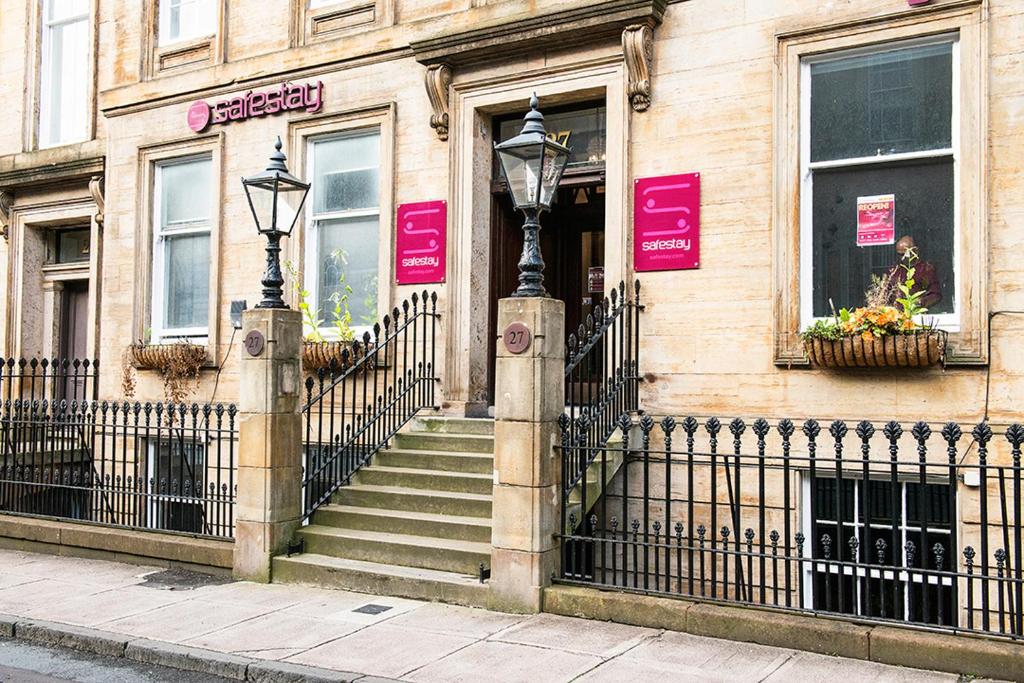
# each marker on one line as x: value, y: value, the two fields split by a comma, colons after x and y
x: 168, y: 467
x: 876, y: 523
x: 602, y: 377
x: 356, y: 405
x: 56, y: 379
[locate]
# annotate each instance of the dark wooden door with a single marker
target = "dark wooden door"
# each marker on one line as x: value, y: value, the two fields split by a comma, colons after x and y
x: 74, y: 333
x: 577, y: 218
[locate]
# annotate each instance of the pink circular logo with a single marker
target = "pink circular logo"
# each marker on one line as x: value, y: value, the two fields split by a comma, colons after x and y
x: 198, y: 116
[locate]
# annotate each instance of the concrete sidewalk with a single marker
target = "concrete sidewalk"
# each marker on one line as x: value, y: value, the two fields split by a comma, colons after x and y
x: 387, y: 637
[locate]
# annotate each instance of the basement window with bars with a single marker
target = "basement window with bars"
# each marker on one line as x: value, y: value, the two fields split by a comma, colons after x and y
x: 884, y: 563
x: 176, y: 472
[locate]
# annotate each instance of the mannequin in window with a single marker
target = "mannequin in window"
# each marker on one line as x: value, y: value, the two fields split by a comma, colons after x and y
x: 926, y: 277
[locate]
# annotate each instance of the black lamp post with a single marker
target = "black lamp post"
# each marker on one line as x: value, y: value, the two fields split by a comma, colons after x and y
x: 272, y: 195
x: 532, y: 165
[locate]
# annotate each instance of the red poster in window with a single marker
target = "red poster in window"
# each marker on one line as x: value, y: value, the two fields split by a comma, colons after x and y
x: 420, y: 242
x: 666, y: 222
x: 876, y: 220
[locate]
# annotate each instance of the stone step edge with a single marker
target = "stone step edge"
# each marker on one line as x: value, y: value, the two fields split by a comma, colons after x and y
x: 169, y: 655
x: 482, y: 522
x: 407, y: 491
x: 372, y: 578
x: 453, y: 545
x: 388, y: 469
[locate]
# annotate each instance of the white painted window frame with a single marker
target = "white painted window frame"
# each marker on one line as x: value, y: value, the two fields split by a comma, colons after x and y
x: 45, y: 75
x: 311, y: 257
x: 159, y: 333
x: 164, y: 29
x: 946, y: 321
x: 886, y: 573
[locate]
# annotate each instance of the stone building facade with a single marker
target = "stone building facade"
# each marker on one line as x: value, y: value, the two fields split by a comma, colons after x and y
x: 124, y: 219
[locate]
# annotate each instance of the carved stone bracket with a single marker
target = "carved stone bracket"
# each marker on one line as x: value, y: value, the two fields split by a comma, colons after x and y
x: 96, y: 190
x: 5, y: 213
x: 438, y: 78
x: 638, y: 50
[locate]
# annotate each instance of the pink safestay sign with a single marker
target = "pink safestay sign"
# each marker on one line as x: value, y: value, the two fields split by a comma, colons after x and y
x: 420, y: 242
x: 666, y: 222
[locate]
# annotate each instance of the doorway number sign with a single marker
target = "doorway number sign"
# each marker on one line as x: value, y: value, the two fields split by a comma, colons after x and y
x: 666, y: 222
x: 517, y: 337
x: 420, y: 242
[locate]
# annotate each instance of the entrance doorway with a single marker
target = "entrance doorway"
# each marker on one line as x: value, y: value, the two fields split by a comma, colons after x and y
x: 73, y: 329
x: 572, y: 233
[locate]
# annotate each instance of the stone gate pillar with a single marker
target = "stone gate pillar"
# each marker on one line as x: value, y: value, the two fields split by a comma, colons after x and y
x: 268, y: 507
x: 529, y: 398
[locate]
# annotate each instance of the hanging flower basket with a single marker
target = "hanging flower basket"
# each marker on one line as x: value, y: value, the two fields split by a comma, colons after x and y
x: 318, y: 356
x: 919, y: 349
x: 163, y: 356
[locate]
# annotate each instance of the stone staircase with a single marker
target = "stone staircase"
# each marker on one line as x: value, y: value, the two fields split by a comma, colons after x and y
x: 416, y: 522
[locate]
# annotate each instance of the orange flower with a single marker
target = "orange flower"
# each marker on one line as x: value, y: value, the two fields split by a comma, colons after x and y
x: 867, y: 336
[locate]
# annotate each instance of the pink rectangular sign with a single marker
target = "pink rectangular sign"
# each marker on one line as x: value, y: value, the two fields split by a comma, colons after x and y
x: 876, y: 220
x: 666, y: 222
x: 420, y: 242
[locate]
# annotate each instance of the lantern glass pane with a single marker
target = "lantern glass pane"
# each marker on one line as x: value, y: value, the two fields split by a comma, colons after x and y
x: 554, y: 165
x: 522, y: 170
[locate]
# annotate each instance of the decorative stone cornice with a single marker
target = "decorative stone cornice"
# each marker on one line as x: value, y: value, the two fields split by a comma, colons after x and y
x: 96, y: 190
x: 5, y: 213
x: 437, y: 80
x: 42, y: 171
x: 638, y: 51
x: 575, y: 25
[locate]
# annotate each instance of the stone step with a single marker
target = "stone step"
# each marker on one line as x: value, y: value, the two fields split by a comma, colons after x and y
x: 477, y: 529
x: 452, y: 425
x: 448, y: 443
x: 414, y: 500
x: 428, y: 480
x: 380, y: 579
x: 463, y: 557
x: 476, y: 463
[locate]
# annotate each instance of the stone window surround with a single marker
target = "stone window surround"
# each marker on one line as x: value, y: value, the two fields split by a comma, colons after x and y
x: 186, y: 55
x: 300, y: 130
x: 148, y: 158
x: 33, y: 73
x: 337, y: 18
x: 963, y: 18
x: 474, y: 101
x: 43, y: 216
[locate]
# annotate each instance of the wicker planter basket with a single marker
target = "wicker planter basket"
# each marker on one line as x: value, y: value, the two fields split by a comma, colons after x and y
x: 319, y: 355
x: 918, y: 350
x: 158, y: 356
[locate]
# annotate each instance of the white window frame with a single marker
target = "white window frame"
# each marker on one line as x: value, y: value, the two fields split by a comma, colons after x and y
x: 45, y: 71
x: 885, y: 573
x: 946, y: 321
x: 311, y: 257
x: 164, y: 28
x: 198, y: 335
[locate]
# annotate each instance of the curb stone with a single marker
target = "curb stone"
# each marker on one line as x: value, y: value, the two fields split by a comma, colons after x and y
x: 188, y: 658
x: 73, y: 637
x: 286, y: 672
x: 173, y: 656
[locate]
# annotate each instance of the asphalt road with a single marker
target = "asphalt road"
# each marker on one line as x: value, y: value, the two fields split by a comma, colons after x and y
x: 22, y: 662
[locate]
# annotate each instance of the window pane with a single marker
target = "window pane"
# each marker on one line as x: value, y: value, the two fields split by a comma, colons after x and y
x: 583, y: 130
x: 347, y: 268
x: 185, y: 192
x: 883, y: 103
x: 186, y: 280
x: 186, y: 19
x: 57, y: 10
x: 345, y: 175
x: 65, y: 72
x: 924, y: 211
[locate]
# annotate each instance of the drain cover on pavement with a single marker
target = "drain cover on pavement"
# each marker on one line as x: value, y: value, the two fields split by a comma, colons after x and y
x: 372, y: 609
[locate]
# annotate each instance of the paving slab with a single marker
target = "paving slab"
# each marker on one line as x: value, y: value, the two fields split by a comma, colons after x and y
x: 728, y: 659
x: 104, y: 606
x: 22, y: 598
x: 461, y: 621
x: 506, y: 663
x: 384, y: 650
x: 274, y: 636
x: 342, y: 605
x: 601, y: 638
x: 806, y: 667
x: 184, y: 620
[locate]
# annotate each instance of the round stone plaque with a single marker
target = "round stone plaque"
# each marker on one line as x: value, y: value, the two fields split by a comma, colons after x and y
x: 517, y: 337
x: 254, y: 343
